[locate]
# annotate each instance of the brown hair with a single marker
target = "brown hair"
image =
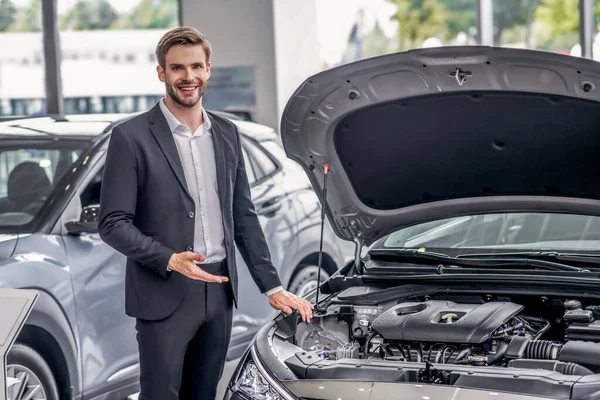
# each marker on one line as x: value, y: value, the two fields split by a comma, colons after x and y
x: 183, y: 35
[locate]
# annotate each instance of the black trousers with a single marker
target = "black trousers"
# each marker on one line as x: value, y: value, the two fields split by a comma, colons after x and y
x: 182, y: 356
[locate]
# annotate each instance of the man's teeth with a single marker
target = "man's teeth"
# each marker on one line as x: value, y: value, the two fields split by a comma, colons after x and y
x: 187, y: 88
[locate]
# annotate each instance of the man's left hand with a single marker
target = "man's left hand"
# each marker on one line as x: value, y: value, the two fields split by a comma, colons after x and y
x: 287, y: 302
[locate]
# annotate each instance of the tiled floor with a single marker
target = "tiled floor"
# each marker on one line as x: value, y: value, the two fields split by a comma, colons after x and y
x: 229, y: 367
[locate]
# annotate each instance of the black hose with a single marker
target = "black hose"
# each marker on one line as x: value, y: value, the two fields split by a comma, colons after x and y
x: 462, y: 354
x: 542, y: 331
x: 500, y: 352
x: 570, y: 368
x: 542, y: 350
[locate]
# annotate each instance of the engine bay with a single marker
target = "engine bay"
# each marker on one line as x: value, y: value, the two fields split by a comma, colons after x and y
x: 560, y: 334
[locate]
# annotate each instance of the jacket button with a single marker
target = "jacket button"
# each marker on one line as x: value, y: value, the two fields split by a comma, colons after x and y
x: 191, y: 214
x: 189, y: 248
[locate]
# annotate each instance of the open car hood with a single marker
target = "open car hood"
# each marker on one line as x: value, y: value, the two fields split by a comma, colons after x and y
x: 434, y: 133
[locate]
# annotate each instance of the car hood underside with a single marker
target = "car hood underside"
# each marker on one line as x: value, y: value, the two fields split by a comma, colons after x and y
x: 435, y: 133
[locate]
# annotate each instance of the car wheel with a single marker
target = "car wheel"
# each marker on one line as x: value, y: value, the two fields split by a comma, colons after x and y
x: 305, y: 279
x: 29, y: 376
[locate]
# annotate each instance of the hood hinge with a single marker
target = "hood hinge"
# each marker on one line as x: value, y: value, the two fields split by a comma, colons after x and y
x: 358, y: 242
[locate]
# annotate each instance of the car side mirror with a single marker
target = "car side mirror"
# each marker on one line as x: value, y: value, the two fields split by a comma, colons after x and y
x: 88, y: 222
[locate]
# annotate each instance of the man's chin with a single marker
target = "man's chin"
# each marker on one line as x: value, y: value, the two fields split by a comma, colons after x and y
x: 188, y: 103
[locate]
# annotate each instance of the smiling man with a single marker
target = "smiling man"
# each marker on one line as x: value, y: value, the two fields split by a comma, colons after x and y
x: 175, y: 198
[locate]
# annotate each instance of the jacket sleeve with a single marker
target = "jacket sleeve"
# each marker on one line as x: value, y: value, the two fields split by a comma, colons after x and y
x: 249, y: 236
x: 118, y: 200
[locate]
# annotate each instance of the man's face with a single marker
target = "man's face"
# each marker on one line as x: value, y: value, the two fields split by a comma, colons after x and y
x: 185, y: 74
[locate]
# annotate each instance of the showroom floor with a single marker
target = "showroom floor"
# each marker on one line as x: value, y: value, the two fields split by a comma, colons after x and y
x: 229, y: 367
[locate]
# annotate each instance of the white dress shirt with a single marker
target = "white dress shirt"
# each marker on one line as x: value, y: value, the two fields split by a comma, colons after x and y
x: 197, y: 156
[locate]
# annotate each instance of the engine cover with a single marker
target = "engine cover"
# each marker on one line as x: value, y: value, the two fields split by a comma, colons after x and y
x: 444, y: 321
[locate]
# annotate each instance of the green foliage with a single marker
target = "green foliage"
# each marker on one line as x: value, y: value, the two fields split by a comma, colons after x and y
x: 8, y: 13
x: 27, y: 19
x: 148, y: 15
x: 89, y: 15
x: 509, y: 14
x: 561, y: 15
x: 462, y: 15
x: 419, y: 20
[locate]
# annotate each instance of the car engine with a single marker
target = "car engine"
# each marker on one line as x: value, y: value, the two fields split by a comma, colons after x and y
x: 441, y: 331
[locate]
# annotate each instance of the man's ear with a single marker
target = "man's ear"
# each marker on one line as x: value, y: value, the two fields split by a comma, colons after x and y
x: 208, y: 70
x: 161, y: 73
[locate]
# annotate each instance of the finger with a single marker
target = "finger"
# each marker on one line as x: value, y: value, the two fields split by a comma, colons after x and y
x: 189, y: 255
x: 286, y: 309
x: 304, y: 313
x: 205, y: 276
x: 308, y: 304
x: 307, y: 309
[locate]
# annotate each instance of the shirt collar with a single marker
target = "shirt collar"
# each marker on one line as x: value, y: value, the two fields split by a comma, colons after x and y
x: 174, y: 122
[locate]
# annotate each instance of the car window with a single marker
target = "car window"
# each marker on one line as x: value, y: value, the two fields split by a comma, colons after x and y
x: 263, y: 164
x: 91, y: 195
x: 502, y: 231
x: 29, y: 175
x: 249, y: 166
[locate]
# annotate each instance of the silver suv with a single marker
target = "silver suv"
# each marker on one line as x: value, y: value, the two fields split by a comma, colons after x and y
x: 78, y: 340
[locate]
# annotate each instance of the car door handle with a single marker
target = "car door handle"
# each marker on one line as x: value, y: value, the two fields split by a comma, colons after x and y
x: 269, y: 207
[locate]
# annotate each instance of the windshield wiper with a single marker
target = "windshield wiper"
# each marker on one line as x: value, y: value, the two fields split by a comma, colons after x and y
x: 551, y: 256
x: 477, y: 260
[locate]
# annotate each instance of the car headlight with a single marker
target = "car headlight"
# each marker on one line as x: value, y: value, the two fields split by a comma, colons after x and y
x: 256, y: 383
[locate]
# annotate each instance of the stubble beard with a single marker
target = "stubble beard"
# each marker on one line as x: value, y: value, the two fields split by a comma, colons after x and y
x: 172, y: 92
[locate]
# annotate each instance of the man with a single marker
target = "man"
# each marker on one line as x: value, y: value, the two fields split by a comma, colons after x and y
x: 175, y: 199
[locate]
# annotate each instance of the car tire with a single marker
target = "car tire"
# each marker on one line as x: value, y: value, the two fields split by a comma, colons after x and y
x: 305, y: 279
x: 24, y: 362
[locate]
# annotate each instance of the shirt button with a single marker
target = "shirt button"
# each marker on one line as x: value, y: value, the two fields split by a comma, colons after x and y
x: 189, y: 248
x: 191, y: 214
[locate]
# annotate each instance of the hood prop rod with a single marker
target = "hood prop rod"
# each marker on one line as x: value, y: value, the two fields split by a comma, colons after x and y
x: 325, y: 173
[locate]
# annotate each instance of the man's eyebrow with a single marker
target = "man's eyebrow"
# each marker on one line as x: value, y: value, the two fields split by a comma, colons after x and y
x: 181, y: 65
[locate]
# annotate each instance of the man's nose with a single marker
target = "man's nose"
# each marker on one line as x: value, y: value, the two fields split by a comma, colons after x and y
x: 189, y: 74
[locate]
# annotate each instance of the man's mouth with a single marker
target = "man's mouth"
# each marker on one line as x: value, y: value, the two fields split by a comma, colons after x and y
x: 187, y: 89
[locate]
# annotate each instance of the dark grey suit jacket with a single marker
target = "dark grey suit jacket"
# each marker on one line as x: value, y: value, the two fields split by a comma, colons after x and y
x: 145, y: 211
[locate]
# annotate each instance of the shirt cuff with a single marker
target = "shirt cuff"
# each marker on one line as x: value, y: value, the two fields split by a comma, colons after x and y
x: 274, y: 290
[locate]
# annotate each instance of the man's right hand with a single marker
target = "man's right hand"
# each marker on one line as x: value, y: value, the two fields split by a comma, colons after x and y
x: 185, y: 264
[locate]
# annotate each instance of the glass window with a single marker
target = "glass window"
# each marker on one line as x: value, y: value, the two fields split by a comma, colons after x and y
x: 112, y: 41
x: 249, y: 166
x: 91, y: 195
x: 21, y: 56
x: 371, y: 28
x: 263, y: 164
x: 28, y: 176
x: 551, y: 25
x: 432, y: 23
x: 502, y: 232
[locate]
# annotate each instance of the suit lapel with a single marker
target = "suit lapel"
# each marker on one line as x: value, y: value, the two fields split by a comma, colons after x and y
x: 162, y: 133
x: 218, y: 144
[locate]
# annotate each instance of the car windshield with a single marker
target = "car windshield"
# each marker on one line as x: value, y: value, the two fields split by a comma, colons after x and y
x: 29, y: 173
x: 501, y: 232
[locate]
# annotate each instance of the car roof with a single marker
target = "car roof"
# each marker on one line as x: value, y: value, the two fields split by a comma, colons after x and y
x: 92, y: 126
